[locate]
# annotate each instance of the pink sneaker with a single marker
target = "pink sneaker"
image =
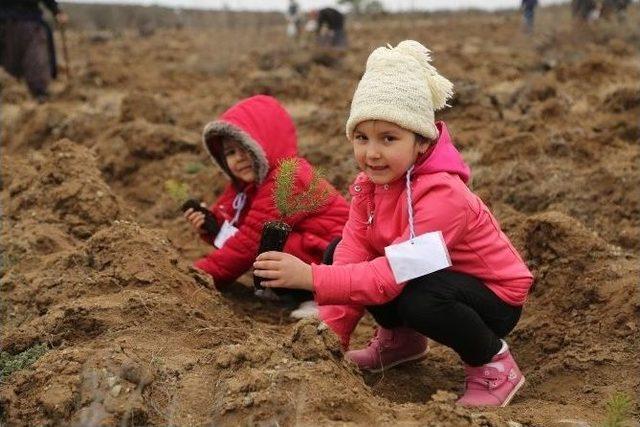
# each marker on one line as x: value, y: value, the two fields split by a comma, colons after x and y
x: 389, y: 348
x: 493, y: 384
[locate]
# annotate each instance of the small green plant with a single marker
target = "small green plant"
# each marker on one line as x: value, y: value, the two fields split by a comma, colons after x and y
x: 10, y: 363
x: 618, y: 408
x: 157, y: 361
x: 193, y: 167
x: 178, y: 191
x: 287, y: 202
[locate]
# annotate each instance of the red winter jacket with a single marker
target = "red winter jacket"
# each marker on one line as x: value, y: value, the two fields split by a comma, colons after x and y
x: 263, y: 127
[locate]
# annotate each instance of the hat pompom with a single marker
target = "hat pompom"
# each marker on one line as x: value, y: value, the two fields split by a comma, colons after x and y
x: 441, y: 88
x: 417, y: 51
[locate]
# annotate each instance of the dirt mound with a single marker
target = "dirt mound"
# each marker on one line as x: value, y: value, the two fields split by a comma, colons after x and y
x: 143, y: 106
x: 113, y: 261
x: 583, y: 313
x: 122, y: 273
x: 101, y: 305
x: 581, y: 276
x: 60, y: 186
x: 594, y: 67
x: 36, y: 126
x: 123, y: 289
x: 123, y: 149
x: 623, y: 99
x: 562, y: 189
x: 100, y: 73
x: 280, y: 82
x: 30, y: 127
x: 300, y: 61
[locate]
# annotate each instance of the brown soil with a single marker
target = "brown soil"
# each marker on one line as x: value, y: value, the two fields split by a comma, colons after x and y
x: 96, y: 257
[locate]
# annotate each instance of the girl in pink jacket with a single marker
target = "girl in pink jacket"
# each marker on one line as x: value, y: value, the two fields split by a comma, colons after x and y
x: 420, y: 251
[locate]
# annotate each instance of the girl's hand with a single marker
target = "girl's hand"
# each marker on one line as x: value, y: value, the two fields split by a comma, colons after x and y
x: 283, y: 271
x: 195, y: 218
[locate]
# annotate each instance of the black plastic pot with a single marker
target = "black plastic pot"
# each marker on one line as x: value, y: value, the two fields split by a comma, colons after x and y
x: 210, y: 224
x: 274, y: 236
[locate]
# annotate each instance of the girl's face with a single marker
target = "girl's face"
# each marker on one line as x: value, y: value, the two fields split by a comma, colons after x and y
x: 238, y: 161
x: 385, y: 151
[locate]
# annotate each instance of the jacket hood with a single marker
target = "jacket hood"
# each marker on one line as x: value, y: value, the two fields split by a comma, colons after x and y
x: 261, y: 126
x: 444, y: 157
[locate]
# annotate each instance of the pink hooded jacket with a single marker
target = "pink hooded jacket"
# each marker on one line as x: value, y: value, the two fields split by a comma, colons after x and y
x: 361, y: 275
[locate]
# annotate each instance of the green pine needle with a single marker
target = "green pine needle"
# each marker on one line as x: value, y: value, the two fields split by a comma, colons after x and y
x: 289, y: 203
x: 618, y: 409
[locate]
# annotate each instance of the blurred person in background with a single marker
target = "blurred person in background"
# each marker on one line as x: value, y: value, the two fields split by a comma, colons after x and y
x: 614, y: 7
x: 294, y: 20
x: 328, y: 24
x: 584, y: 10
x: 26, y: 43
x: 528, y: 13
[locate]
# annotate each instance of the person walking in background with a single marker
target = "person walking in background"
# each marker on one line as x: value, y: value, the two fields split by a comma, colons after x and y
x: 528, y: 14
x: 329, y: 26
x: 584, y: 11
x: 294, y: 20
x: 26, y: 43
x: 618, y: 8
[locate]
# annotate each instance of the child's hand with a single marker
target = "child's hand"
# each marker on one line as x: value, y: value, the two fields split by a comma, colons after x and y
x: 195, y: 218
x: 283, y: 270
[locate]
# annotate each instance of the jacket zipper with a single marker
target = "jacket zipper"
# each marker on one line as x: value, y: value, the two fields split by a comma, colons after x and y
x: 370, y: 213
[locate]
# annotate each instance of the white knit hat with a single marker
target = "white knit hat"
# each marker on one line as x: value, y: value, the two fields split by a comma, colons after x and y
x: 402, y: 87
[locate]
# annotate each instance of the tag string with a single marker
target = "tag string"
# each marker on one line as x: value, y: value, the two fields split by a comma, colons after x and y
x: 412, y: 232
x: 238, y: 204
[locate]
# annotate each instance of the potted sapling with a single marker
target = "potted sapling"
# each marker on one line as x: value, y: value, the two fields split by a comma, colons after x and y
x: 275, y: 232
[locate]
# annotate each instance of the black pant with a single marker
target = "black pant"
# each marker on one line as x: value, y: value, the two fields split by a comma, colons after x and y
x: 454, y: 309
x: 26, y: 50
x: 297, y: 296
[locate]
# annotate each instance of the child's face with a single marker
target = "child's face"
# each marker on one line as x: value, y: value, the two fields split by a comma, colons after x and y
x: 385, y: 151
x: 238, y: 161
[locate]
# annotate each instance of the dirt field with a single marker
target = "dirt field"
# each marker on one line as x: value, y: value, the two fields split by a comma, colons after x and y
x: 96, y: 257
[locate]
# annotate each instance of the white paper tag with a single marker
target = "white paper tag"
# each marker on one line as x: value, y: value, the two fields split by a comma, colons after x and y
x: 226, y: 231
x: 419, y: 256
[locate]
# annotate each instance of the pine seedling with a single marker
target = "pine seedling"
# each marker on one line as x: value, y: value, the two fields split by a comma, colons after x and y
x: 618, y: 408
x: 178, y: 191
x: 288, y: 203
x: 275, y: 233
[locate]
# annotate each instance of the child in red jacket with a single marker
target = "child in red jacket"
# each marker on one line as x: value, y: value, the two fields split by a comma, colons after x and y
x: 420, y: 252
x: 247, y: 142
